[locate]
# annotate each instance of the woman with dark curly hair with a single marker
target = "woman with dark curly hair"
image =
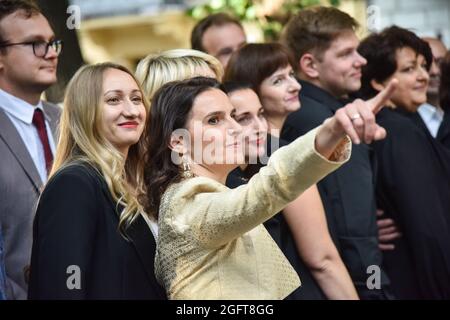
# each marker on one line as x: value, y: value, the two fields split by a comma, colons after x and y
x: 412, y: 184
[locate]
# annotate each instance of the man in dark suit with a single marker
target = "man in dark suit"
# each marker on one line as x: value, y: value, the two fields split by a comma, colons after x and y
x: 439, y: 53
x: 324, y: 44
x: 430, y: 116
x: 443, y: 135
x: 28, y: 61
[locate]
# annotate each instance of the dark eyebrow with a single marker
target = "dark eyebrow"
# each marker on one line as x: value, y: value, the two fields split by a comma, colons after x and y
x: 277, y: 74
x: 241, y: 114
x: 346, y: 50
x: 226, y: 50
x: 414, y: 61
x: 215, y: 113
x: 34, y: 38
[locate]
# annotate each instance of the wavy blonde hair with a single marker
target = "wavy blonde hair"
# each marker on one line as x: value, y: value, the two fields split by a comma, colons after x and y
x: 155, y: 70
x: 81, y: 140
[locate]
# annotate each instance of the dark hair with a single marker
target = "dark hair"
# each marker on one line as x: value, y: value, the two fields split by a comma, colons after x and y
x: 380, y: 50
x: 252, y: 168
x: 232, y: 86
x: 444, y: 87
x: 218, y: 19
x: 255, y: 62
x: 170, y: 109
x: 7, y: 7
x: 313, y: 30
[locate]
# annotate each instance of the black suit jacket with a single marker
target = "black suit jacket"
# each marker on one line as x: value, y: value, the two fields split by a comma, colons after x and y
x: 440, y: 150
x: 443, y: 134
x: 413, y: 188
x: 348, y: 194
x: 76, y: 226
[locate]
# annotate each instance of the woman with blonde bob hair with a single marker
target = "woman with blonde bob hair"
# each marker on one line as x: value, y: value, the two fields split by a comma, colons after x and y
x: 91, y: 239
x: 155, y: 70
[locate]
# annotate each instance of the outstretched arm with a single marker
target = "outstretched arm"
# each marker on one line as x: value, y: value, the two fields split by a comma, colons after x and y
x: 223, y: 216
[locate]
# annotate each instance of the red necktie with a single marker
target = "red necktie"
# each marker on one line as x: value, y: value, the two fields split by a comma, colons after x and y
x: 39, y: 123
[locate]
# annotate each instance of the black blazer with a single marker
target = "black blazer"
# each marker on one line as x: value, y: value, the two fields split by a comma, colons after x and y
x: 413, y: 188
x: 443, y: 134
x: 348, y: 194
x: 438, y: 144
x: 76, y: 224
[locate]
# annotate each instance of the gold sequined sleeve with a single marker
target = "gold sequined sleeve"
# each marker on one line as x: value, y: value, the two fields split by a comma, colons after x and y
x: 215, y: 214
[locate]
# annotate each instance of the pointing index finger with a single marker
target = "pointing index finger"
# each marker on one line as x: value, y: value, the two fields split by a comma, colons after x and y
x: 379, y: 101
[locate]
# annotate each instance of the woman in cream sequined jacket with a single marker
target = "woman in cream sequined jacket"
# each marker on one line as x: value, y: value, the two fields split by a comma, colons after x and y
x: 212, y: 244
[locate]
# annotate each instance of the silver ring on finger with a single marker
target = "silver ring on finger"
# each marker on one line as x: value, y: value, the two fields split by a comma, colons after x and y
x: 355, y: 117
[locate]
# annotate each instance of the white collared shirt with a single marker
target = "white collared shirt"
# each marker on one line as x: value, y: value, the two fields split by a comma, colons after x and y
x: 152, y: 224
x: 432, y: 117
x: 21, y: 114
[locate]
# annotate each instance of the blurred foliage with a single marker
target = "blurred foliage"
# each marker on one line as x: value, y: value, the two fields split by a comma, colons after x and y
x: 250, y: 11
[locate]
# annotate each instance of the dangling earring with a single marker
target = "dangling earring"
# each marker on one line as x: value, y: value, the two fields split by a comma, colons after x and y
x: 186, y: 169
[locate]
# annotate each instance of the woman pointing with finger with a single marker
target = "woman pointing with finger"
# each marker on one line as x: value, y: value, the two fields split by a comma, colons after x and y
x: 211, y: 243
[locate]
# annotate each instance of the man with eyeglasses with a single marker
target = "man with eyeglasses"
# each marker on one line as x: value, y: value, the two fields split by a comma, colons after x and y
x: 28, y: 62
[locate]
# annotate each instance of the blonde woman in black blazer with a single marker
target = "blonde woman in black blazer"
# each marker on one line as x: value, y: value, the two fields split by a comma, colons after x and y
x: 92, y: 239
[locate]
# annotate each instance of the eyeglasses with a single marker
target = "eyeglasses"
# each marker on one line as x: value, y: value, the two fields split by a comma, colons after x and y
x: 40, y: 48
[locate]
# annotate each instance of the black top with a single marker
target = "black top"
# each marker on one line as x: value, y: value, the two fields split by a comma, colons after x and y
x: 279, y: 229
x: 443, y: 135
x: 76, y: 233
x: 413, y: 188
x: 348, y: 194
x: 439, y: 143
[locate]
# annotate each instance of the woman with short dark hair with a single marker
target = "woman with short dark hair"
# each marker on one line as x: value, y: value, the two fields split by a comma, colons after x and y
x: 412, y: 183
